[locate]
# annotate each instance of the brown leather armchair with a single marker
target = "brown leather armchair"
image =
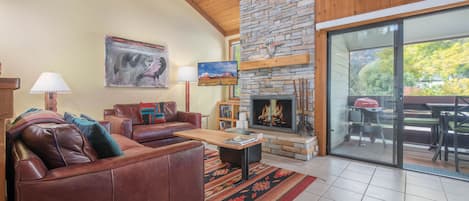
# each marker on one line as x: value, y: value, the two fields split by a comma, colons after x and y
x: 172, y: 173
x: 125, y: 120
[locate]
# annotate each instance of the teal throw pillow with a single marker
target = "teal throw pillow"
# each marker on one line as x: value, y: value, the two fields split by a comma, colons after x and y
x: 99, y: 138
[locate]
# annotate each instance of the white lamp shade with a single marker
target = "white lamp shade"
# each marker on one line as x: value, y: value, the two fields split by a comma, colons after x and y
x: 50, y: 82
x: 187, y: 73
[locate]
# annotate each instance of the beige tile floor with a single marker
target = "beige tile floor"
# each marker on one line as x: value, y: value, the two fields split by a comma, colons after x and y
x: 341, y: 179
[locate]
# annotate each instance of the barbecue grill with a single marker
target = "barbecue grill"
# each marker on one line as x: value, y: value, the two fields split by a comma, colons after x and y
x: 370, y: 111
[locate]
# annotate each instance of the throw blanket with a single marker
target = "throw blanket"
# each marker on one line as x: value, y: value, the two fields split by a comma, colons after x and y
x: 30, y: 118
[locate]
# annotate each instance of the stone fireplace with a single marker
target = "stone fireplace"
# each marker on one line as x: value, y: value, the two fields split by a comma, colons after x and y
x: 290, y: 24
x: 273, y: 113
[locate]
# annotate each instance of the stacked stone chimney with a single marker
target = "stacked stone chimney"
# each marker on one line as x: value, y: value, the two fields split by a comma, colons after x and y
x: 287, y: 22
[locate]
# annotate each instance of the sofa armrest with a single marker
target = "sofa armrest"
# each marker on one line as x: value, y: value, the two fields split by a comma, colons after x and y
x: 170, y: 170
x: 108, y: 112
x: 27, y: 165
x: 191, y: 117
x: 120, y: 125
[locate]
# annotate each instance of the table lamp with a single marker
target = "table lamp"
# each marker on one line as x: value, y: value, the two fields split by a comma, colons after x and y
x: 50, y: 84
x: 187, y: 74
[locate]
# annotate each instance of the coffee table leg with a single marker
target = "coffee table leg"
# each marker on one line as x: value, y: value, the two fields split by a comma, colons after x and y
x: 244, y: 167
x: 245, y: 164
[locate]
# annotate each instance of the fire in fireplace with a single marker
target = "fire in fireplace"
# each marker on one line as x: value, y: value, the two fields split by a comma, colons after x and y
x: 273, y: 112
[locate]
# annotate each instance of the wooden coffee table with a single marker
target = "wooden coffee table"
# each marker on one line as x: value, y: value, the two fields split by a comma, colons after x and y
x: 218, y: 138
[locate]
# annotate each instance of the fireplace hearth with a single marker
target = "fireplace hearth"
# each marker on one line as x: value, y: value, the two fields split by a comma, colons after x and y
x: 273, y: 113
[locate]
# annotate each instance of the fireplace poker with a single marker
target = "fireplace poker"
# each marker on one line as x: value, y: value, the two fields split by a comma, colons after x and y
x: 296, y: 96
x: 307, y: 96
x: 303, y: 97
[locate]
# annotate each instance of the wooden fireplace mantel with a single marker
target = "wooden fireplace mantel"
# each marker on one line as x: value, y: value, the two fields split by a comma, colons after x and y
x: 7, y: 86
x: 275, y: 62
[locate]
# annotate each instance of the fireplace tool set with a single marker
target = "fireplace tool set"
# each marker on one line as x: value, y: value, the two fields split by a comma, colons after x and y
x: 304, y: 127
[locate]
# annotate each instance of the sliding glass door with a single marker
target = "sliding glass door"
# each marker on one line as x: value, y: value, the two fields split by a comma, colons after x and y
x: 436, y: 69
x: 365, y: 88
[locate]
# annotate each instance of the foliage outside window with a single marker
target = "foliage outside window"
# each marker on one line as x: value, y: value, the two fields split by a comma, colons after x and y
x: 436, y: 68
x: 235, y: 55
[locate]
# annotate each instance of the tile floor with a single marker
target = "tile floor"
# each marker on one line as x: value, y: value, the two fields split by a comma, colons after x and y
x: 341, y: 179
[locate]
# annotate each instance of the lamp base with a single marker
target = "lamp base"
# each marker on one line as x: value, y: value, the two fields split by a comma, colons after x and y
x: 50, y: 101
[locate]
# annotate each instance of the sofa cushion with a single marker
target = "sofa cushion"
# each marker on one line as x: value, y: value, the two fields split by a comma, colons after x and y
x: 97, y: 135
x: 125, y: 143
x: 130, y: 111
x: 145, y: 133
x: 58, y: 145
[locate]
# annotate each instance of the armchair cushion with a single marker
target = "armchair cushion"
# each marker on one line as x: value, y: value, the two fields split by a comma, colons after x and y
x: 100, y: 139
x: 58, y: 145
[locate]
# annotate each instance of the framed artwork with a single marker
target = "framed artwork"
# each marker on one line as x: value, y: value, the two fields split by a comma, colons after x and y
x: 218, y: 73
x: 135, y: 64
x: 235, y: 55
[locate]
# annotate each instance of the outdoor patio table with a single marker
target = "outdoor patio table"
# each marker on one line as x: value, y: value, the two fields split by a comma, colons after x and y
x: 436, y: 109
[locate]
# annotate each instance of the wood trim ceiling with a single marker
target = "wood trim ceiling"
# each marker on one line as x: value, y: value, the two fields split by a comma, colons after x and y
x: 222, y: 14
x: 334, y: 9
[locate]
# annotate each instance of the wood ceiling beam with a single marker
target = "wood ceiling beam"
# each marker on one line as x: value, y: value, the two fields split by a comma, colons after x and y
x: 206, y: 16
x: 231, y: 32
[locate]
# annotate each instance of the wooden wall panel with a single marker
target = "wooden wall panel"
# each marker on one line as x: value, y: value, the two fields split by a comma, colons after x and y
x: 320, y: 91
x: 7, y: 85
x: 334, y: 9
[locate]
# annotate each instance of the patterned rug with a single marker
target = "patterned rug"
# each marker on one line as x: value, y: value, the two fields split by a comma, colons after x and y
x: 265, y: 183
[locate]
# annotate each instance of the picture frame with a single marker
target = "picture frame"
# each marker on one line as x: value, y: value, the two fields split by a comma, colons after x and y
x: 132, y: 63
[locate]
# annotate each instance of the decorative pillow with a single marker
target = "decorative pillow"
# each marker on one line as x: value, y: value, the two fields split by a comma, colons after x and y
x: 58, y: 145
x: 151, y: 113
x: 99, y: 138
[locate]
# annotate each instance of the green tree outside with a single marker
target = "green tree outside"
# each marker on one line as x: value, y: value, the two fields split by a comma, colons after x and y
x: 437, y: 68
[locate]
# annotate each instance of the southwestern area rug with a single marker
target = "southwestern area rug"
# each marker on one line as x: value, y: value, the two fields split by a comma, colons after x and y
x: 266, y: 183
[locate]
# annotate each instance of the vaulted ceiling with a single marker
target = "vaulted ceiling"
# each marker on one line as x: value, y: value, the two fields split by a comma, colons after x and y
x: 222, y: 14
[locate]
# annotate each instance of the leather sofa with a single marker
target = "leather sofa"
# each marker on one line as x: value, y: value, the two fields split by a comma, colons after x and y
x: 125, y: 120
x: 172, y: 173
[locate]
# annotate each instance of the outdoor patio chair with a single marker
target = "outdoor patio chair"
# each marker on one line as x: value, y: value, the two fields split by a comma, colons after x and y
x: 355, y: 122
x: 459, y: 124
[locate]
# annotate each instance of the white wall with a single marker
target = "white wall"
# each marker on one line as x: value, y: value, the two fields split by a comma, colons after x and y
x: 340, y: 59
x: 68, y: 37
